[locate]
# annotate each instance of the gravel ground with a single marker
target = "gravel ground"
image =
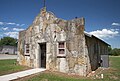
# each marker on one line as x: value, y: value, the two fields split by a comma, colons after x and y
x: 5, y: 56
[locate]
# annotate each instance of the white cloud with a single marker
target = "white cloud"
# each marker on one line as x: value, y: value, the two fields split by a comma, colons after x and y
x: 4, y: 28
x: 11, y: 23
x: 12, y: 34
x: 22, y: 24
x: 1, y: 23
x: 18, y: 29
x: 17, y: 24
x: 105, y: 33
x: 116, y: 24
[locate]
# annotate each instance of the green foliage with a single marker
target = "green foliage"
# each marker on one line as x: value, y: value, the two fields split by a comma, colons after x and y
x: 114, y: 52
x: 8, y: 41
x: 9, y: 66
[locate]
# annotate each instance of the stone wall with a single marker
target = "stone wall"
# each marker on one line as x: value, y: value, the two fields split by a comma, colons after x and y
x: 49, y: 29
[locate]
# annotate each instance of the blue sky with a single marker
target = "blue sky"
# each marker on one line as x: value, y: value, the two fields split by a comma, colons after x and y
x: 102, y: 17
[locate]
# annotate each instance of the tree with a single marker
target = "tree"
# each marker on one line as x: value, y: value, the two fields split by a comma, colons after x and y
x: 114, y: 52
x: 8, y: 41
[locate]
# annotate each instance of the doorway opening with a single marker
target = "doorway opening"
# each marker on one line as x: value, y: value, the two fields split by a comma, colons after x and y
x: 43, y: 55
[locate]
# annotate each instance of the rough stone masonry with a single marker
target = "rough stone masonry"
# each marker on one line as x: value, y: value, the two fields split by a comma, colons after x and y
x: 63, y: 43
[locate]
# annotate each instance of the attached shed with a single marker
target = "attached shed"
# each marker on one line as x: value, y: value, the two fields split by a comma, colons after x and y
x: 97, y: 51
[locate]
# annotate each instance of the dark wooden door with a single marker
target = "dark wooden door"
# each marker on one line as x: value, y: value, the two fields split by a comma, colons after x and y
x: 43, y: 55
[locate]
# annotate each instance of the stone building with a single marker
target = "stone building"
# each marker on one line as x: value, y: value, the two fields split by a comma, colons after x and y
x: 60, y: 45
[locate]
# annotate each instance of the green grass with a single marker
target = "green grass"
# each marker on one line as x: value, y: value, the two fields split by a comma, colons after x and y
x: 10, y: 66
x: 114, y: 72
x: 53, y: 77
x: 115, y: 62
x: 111, y: 74
x: 48, y: 76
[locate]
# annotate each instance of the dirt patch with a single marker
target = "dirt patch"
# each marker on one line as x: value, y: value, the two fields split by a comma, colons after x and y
x: 65, y: 74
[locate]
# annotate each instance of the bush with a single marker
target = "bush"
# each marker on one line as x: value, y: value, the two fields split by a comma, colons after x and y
x: 114, y: 52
